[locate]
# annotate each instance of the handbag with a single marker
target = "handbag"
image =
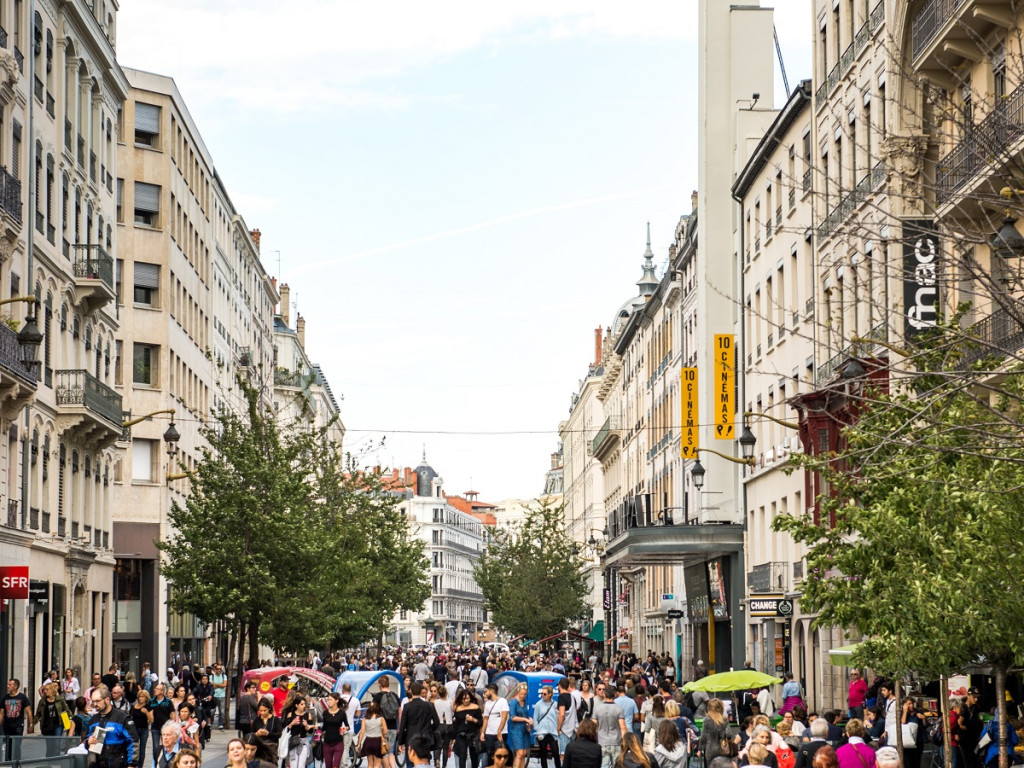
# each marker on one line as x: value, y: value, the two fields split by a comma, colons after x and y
x: 318, y: 750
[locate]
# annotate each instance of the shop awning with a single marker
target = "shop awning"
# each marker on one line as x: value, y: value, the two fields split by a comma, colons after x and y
x: 842, y: 656
x: 597, y: 633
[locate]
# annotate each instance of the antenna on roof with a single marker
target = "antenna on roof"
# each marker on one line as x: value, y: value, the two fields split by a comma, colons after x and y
x: 782, y: 64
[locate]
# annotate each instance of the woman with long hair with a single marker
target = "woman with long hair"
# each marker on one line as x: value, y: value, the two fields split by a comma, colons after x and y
x: 300, y: 723
x: 372, y: 736
x: 267, y: 730
x: 142, y: 716
x: 131, y: 688
x: 633, y: 754
x: 445, y: 716
x: 587, y: 692
x: 670, y: 751
x: 520, y: 723
x: 715, y: 731
x: 179, y: 697
x: 653, y: 722
x: 467, y: 716
x: 335, y: 726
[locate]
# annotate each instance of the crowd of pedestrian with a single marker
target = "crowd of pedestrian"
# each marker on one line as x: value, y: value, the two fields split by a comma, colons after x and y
x: 631, y: 714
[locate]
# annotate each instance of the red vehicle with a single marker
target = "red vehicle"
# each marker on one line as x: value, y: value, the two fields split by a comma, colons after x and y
x: 315, y: 685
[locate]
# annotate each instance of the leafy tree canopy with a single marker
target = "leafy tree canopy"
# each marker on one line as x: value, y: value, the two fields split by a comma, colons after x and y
x: 531, y: 577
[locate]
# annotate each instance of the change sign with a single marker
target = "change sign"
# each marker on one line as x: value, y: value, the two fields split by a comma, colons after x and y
x: 725, y: 385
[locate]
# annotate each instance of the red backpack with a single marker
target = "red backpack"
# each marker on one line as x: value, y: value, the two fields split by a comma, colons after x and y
x: 784, y: 756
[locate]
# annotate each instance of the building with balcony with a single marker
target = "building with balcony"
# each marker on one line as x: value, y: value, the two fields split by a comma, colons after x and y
x: 60, y: 93
x: 583, y: 492
x: 779, y: 334
x: 302, y: 395
x: 196, y: 306
x: 454, y: 541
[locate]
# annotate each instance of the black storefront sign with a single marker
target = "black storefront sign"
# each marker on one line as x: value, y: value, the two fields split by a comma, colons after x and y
x: 920, y: 275
x: 695, y: 577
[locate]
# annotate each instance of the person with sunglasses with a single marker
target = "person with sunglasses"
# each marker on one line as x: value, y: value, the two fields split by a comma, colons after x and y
x: 501, y: 757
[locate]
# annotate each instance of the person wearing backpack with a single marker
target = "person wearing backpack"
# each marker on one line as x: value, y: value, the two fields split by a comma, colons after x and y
x: 568, y: 716
x: 389, y: 705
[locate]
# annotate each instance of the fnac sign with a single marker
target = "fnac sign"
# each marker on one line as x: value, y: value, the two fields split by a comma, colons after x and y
x: 14, y: 582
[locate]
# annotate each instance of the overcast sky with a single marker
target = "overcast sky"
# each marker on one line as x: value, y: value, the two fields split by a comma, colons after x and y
x: 456, y: 192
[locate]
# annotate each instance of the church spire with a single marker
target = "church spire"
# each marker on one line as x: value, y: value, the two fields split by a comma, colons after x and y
x: 648, y: 282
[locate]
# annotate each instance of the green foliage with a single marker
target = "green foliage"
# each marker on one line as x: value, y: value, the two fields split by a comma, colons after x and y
x: 283, y: 537
x: 531, y: 578
x: 928, y: 500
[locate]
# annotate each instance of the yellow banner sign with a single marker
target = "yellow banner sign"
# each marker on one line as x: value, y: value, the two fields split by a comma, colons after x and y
x: 690, y: 435
x: 725, y: 385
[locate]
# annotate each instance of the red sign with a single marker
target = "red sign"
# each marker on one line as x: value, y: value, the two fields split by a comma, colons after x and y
x: 14, y: 582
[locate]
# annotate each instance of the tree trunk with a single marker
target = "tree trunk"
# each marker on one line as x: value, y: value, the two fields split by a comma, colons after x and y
x: 254, y: 642
x: 947, y: 747
x: 1004, y: 760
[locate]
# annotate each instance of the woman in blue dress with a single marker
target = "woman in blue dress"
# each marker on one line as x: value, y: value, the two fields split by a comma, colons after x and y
x: 519, y: 725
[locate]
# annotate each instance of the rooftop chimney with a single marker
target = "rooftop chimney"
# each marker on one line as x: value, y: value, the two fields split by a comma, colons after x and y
x: 286, y: 295
x: 556, y: 460
x: 300, y: 329
x: 693, y: 200
x: 598, y: 336
x: 255, y: 235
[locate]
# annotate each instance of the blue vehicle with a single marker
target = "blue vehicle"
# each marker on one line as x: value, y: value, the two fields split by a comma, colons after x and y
x: 508, y: 683
x: 365, y: 684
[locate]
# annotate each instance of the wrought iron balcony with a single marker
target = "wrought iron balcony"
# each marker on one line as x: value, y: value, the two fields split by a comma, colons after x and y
x: 12, y: 513
x: 768, y: 578
x: 94, y: 277
x: 997, y: 336
x: 10, y: 195
x: 86, y: 403
x: 981, y: 145
x: 606, y: 436
x: 20, y: 58
x: 928, y: 21
x: 877, y: 16
x: 10, y: 358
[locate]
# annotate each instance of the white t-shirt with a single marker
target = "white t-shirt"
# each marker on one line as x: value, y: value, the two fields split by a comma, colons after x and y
x: 443, y: 707
x: 352, y: 712
x: 479, y: 678
x: 492, y: 713
x: 453, y: 686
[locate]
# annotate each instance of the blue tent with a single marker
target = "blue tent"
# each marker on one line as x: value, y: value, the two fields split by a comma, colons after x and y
x: 365, y: 684
x: 508, y: 682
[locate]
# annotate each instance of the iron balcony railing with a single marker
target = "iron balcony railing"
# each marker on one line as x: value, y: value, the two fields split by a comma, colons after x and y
x: 94, y: 263
x: 10, y: 194
x: 848, y: 203
x: 613, y: 422
x: 866, y: 348
x: 20, y: 58
x: 81, y: 388
x: 10, y: 355
x: 768, y: 577
x: 926, y: 23
x: 860, y: 42
x: 807, y: 180
x: 3, y: 37
x: 12, y: 513
x: 981, y: 144
x: 998, y: 335
x: 877, y: 16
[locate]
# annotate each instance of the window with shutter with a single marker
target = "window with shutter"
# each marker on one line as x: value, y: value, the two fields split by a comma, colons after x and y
x: 147, y: 282
x: 147, y: 204
x: 147, y: 124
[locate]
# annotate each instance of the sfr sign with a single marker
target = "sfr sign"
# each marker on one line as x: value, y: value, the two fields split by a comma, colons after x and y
x: 13, y: 582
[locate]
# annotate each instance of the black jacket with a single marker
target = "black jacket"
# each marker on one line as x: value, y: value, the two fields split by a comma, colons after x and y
x: 582, y: 753
x: 805, y: 757
x: 419, y: 718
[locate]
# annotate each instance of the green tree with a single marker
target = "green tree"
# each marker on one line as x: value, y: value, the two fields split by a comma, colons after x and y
x: 531, y: 577
x: 927, y: 495
x: 286, y: 539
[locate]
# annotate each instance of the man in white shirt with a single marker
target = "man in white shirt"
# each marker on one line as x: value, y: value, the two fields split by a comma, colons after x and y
x: 764, y: 701
x: 453, y: 686
x: 478, y: 677
x: 351, y: 706
x: 421, y: 671
x: 495, y: 724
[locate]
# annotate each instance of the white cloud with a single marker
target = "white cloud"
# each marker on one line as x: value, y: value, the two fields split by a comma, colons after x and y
x: 268, y: 53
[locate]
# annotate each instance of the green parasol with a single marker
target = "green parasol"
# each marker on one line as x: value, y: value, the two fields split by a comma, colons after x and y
x: 740, y: 680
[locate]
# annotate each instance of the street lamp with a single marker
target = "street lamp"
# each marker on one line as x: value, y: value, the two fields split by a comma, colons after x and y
x: 29, y: 338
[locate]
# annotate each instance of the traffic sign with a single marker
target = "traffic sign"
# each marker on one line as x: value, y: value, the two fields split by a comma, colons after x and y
x: 675, y: 614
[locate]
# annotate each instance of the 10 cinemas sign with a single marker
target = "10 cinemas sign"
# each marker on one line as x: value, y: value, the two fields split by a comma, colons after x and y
x: 13, y: 582
x: 725, y: 385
